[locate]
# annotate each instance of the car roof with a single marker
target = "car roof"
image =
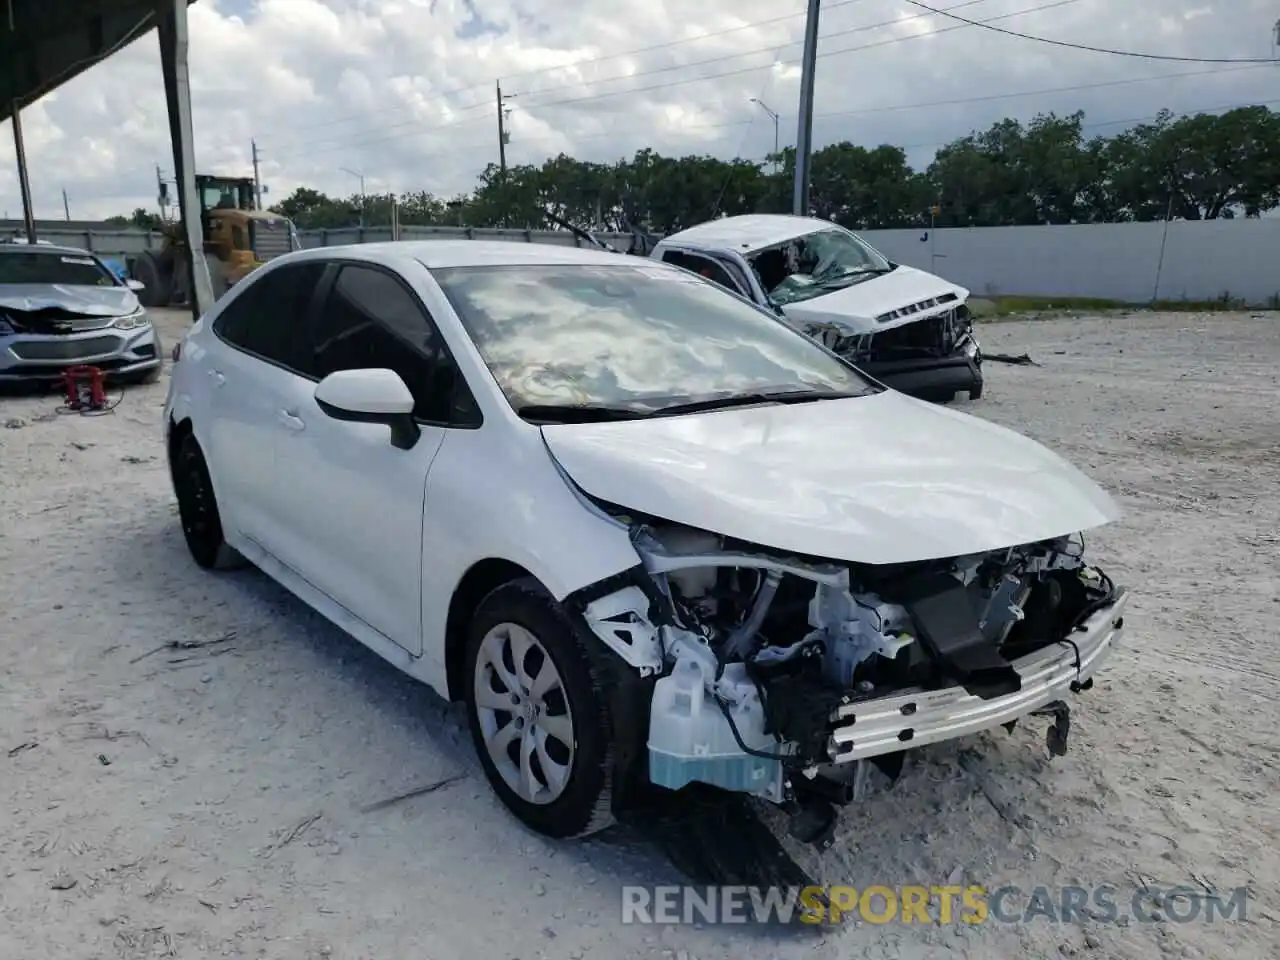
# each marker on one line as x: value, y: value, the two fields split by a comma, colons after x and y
x: 749, y: 232
x: 45, y: 248
x: 472, y: 253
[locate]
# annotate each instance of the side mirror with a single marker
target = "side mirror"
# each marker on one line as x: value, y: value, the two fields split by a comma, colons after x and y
x: 374, y: 395
x: 135, y: 285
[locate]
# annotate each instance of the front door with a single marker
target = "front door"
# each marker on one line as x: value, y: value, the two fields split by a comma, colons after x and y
x: 353, y: 503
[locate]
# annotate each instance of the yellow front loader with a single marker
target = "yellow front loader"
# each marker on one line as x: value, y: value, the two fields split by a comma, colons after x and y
x: 237, y: 240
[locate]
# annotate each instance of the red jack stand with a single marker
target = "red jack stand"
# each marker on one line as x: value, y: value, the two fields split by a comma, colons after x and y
x: 86, y: 389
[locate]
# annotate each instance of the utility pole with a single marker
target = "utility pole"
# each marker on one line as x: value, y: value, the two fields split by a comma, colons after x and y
x: 502, y: 131
x: 257, y: 180
x: 363, y: 201
x: 162, y: 195
x: 504, y: 137
x: 66, y: 207
x: 777, y: 160
x: 804, y: 130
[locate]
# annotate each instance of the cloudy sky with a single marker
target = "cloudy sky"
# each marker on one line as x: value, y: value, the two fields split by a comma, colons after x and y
x: 403, y: 90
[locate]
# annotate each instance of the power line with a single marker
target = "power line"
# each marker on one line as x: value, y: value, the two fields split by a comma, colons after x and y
x: 346, y: 142
x: 864, y: 28
x: 601, y: 58
x: 829, y: 53
x: 918, y: 105
x: 1074, y: 88
x: 1087, y: 47
x: 775, y: 49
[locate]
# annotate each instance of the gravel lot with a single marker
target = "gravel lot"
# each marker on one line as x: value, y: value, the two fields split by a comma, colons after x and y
x: 216, y: 801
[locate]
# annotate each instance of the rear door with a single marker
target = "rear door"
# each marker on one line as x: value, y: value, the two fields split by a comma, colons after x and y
x: 262, y: 335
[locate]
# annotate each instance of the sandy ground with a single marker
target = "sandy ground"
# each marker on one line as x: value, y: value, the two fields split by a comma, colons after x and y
x: 217, y: 801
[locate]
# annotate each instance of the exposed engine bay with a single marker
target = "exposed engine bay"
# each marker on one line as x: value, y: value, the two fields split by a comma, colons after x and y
x: 778, y: 676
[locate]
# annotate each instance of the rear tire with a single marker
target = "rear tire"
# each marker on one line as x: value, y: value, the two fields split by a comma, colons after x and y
x: 543, y: 736
x: 198, y: 509
x: 149, y: 270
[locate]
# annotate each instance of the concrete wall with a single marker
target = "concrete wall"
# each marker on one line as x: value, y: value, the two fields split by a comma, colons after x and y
x: 101, y: 239
x: 1203, y: 260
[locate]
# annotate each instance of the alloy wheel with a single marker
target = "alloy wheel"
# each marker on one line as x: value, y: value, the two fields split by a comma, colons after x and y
x: 524, y: 714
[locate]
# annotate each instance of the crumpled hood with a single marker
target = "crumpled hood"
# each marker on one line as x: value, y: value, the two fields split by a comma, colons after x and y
x: 878, y: 479
x: 89, y: 301
x: 854, y: 309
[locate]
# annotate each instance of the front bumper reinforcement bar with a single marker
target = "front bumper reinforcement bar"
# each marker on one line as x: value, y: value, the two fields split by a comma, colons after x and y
x: 872, y: 728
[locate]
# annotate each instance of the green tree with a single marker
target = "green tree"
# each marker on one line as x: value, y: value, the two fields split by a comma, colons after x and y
x: 1043, y: 171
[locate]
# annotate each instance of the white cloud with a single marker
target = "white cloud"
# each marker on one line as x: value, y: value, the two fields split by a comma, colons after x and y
x: 404, y: 91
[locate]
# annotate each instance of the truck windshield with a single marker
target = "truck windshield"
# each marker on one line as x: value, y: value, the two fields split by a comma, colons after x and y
x: 816, y: 263
x: 46, y: 267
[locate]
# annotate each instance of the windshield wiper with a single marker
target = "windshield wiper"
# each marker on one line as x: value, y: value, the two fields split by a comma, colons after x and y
x: 758, y: 396
x: 580, y: 412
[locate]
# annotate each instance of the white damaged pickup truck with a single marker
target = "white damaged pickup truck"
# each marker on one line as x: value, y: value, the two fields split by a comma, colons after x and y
x: 906, y: 328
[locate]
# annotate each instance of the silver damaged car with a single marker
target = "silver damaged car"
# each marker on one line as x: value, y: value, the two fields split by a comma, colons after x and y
x: 60, y: 307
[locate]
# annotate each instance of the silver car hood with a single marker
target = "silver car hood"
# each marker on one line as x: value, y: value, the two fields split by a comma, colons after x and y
x: 85, y: 300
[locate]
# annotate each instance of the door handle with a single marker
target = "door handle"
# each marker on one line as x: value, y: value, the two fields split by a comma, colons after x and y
x: 291, y: 420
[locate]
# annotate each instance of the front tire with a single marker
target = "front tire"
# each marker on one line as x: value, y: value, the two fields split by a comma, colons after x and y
x: 198, y: 508
x: 538, y: 714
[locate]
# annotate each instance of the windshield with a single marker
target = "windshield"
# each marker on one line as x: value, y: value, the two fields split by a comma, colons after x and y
x: 43, y: 267
x: 632, y: 336
x: 816, y: 263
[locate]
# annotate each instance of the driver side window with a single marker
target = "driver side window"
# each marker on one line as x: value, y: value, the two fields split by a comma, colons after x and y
x: 371, y: 319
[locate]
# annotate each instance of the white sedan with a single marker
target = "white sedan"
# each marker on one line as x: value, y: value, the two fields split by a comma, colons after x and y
x: 649, y: 533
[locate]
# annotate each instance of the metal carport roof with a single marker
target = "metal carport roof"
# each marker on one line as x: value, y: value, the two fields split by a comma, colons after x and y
x: 45, y: 43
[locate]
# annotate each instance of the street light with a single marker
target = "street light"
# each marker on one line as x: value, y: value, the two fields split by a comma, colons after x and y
x: 774, y: 117
x: 359, y: 176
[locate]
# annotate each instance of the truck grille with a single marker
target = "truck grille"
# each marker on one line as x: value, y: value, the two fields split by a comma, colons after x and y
x: 917, y: 307
x: 69, y: 350
x: 270, y: 238
x: 933, y: 335
x: 930, y: 337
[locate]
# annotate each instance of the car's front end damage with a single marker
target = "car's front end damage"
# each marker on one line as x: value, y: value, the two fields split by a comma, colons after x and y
x: 62, y: 307
x: 933, y: 357
x: 38, y: 343
x: 789, y: 678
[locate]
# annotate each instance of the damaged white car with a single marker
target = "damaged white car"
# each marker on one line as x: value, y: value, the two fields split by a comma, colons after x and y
x: 647, y: 531
x: 904, y: 326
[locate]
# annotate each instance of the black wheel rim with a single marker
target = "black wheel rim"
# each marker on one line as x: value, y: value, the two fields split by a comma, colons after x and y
x: 195, y: 503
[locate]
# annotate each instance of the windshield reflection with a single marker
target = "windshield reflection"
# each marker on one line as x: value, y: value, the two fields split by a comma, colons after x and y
x: 629, y: 335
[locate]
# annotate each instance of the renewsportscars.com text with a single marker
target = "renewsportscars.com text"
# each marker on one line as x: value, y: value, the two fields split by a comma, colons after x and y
x: 931, y: 905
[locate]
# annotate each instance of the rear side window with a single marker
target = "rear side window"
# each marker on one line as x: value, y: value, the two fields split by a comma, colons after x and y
x: 703, y: 266
x: 371, y: 319
x: 269, y: 319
